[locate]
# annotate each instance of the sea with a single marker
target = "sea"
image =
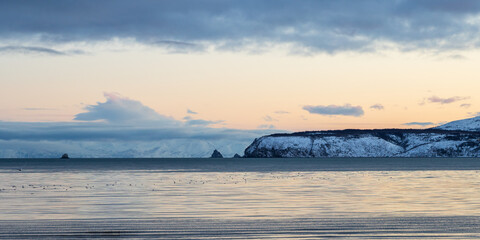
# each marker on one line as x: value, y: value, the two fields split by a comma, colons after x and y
x: 244, y: 198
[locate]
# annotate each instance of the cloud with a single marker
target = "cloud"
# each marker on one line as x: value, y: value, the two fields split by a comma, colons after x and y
x: 191, y: 112
x: 308, y: 27
x: 423, y: 124
x: 179, y: 47
x: 38, y: 50
x: 466, y: 105
x: 377, y: 107
x: 345, y: 110
x: 119, y: 109
x: 281, y: 112
x: 38, y: 109
x: 189, y: 121
x: 474, y: 114
x: 101, y: 139
x: 435, y: 99
x: 269, y: 119
x: 30, y: 50
x: 122, y: 127
x: 102, y: 131
x: 457, y: 57
x: 266, y: 126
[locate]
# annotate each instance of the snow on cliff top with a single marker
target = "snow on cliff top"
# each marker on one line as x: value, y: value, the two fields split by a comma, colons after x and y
x: 470, y: 124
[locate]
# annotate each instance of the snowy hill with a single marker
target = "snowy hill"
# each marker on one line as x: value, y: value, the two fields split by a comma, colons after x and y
x: 471, y: 124
x: 455, y: 139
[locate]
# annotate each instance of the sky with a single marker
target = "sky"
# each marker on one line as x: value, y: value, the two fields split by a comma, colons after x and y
x: 220, y: 72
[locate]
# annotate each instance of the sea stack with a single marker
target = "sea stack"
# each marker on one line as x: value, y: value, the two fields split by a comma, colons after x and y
x: 65, y: 156
x: 216, y: 154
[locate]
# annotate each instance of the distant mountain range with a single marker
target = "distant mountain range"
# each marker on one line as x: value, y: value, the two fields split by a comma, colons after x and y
x: 455, y: 139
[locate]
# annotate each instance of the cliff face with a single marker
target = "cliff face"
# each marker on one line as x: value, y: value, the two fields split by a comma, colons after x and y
x: 455, y: 140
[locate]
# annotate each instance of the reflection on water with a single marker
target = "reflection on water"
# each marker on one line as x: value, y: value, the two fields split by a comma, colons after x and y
x: 134, y: 194
x: 130, y: 193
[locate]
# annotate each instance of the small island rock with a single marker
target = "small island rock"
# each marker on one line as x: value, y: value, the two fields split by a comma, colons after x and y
x: 237, y: 156
x: 216, y: 154
x: 65, y: 156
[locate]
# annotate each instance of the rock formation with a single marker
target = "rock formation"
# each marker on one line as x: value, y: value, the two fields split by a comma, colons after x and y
x: 216, y: 154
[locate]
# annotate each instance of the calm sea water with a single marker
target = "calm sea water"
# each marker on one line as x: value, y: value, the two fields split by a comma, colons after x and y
x: 240, y: 198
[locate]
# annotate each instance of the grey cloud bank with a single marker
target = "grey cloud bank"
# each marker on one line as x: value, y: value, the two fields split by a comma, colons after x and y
x: 435, y: 99
x: 306, y: 26
x: 97, y: 139
x: 268, y: 118
x: 423, y: 124
x: 31, y: 50
x: 97, y: 131
x: 345, y: 110
x: 38, y: 109
x: 377, y: 107
x: 122, y: 127
x: 189, y: 121
x: 191, y: 112
x: 266, y: 126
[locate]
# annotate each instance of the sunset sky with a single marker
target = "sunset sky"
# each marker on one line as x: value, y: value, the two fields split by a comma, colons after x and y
x: 252, y: 66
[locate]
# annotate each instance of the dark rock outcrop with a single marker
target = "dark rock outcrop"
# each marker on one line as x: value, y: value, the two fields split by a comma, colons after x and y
x: 216, y: 154
x: 237, y: 156
x: 65, y: 156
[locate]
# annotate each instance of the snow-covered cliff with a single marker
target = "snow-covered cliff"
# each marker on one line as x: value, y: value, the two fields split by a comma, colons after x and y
x: 455, y: 139
x: 470, y: 124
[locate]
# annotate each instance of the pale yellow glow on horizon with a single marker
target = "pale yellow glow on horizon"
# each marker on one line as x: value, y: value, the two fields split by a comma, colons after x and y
x: 243, y: 88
